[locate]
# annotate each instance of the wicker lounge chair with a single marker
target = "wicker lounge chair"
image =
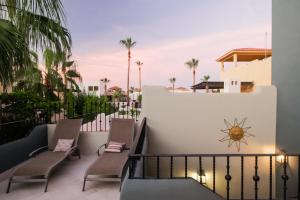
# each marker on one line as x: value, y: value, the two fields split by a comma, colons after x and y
x: 41, y: 164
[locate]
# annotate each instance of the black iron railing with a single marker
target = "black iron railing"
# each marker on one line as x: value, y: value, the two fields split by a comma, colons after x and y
x: 145, y: 160
x: 96, y: 116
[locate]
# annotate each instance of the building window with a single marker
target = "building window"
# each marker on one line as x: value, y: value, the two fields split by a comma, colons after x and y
x: 90, y: 88
x: 96, y: 88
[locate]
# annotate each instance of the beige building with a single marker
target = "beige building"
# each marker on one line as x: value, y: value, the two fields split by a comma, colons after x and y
x: 248, y: 65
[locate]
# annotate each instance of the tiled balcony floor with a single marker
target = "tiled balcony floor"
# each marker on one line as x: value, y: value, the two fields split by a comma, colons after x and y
x: 65, y: 184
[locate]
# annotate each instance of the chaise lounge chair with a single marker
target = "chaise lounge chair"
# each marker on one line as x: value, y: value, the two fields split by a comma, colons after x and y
x: 40, y: 165
x: 110, y: 166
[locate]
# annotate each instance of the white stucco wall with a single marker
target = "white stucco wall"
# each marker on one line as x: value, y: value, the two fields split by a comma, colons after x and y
x: 258, y: 71
x: 88, y: 142
x: 191, y: 123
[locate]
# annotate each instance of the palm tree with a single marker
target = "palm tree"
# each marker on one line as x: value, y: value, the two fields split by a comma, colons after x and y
x: 205, y: 79
x: 128, y: 43
x: 172, y: 81
x: 192, y: 65
x: 70, y: 74
x: 139, y: 64
x: 131, y: 89
x: 27, y: 26
x: 30, y: 78
x: 117, y: 95
x: 52, y: 79
x: 105, y: 81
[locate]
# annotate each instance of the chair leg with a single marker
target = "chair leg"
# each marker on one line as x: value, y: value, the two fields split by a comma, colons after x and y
x: 46, y: 185
x: 84, y: 181
x: 8, y: 186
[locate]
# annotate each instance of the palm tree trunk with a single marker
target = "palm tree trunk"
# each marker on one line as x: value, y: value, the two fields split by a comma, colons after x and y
x: 173, y: 86
x: 105, y: 89
x: 207, y: 88
x: 128, y: 74
x: 194, y: 76
x: 140, y: 81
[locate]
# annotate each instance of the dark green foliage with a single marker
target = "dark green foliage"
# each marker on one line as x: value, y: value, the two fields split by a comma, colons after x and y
x: 24, y: 106
x: 87, y: 106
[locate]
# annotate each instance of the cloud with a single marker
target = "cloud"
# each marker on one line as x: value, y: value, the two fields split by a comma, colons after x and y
x: 165, y: 59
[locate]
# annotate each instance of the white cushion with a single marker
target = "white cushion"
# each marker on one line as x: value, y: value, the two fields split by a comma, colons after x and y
x: 63, y: 145
x: 116, y: 147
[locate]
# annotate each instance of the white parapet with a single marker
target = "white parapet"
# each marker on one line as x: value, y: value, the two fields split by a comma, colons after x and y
x: 183, y: 123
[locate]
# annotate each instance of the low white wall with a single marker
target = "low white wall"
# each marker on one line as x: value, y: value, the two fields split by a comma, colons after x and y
x: 88, y: 141
x: 191, y: 123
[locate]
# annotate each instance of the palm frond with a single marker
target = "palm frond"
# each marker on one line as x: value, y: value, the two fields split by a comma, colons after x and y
x: 192, y: 64
x: 73, y: 74
x: 128, y: 43
x: 14, y: 51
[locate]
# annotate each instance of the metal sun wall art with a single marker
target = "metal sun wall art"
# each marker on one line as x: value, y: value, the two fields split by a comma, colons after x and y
x: 236, y: 133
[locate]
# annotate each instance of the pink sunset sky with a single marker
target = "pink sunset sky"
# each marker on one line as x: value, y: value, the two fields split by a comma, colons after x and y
x: 165, y: 40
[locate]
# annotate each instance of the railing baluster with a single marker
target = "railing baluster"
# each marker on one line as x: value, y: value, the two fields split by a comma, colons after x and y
x: 242, y: 177
x: 256, y: 179
x: 136, y: 111
x: 73, y: 109
x: 109, y: 118
x: 114, y: 107
x: 228, y: 178
x: 185, y: 166
x: 271, y: 179
x: 143, y: 157
x: 59, y: 107
x: 130, y: 168
x: 299, y: 177
x: 85, y: 114
x: 123, y: 110
x: 54, y: 112
x: 100, y: 122
x: 200, y: 169
x: 96, y: 111
x: 171, y: 167
x: 91, y: 115
x: 214, y: 174
x: 157, y: 167
x: 285, y: 177
x: 127, y: 105
x: 104, y: 116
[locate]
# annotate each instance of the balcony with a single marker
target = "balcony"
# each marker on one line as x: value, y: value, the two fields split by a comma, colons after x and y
x: 177, y: 148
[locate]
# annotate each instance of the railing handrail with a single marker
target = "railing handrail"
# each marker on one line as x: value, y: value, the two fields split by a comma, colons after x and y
x: 213, y: 155
x: 17, y: 121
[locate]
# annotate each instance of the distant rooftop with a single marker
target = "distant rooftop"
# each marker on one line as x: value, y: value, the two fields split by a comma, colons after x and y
x: 245, y: 54
x: 217, y: 85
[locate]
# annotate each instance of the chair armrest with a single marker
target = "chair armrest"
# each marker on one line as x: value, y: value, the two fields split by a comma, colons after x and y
x: 71, y: 150
x: 37, y: 150
x: 98, y: 150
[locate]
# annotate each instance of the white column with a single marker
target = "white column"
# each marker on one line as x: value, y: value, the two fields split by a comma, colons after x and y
x: 235, y: 59
x: 222, y: 66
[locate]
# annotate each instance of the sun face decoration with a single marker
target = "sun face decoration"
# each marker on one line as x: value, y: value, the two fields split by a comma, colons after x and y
x: 236, y: 133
